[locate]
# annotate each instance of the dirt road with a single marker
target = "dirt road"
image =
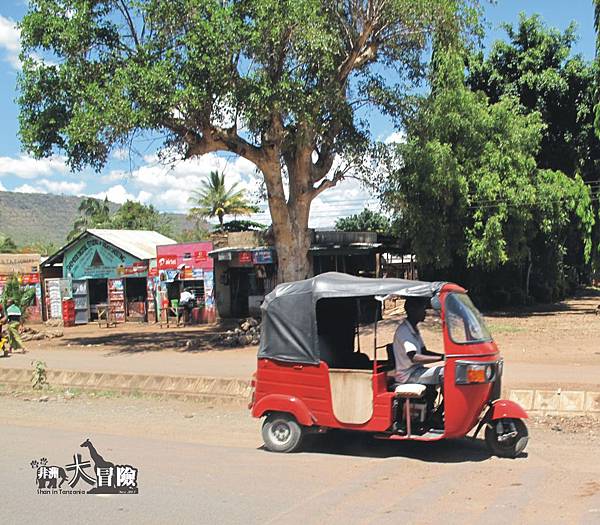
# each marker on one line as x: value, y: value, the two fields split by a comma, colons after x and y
x: 555, y: 346
x: 200, y: 465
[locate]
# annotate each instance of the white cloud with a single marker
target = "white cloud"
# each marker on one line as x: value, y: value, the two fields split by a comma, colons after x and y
x: 2, y: 188
x: 169, y: 187
x: 63, y: 186
x: 26, y: 167
x: 60, y: 187
x: 398, y: 137
x: 120, y: 154
x: 114, y: 176
x: 26, y: 188
x: 348, y: 197
x: 119, y: 195
x: 10, y: 41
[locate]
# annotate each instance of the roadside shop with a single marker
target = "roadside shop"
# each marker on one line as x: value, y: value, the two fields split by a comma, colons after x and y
x: 185, y: 266
x: 104, y: 273
x: 26, y: 266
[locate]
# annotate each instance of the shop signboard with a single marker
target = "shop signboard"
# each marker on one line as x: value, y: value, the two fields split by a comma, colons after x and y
x: 21, y: 263
x: 25, y: 278
x: 201, y: 256
x: 262, y: 257
x: 94, y: 258
x: 193, y: 255
x: 245, y: 257
x: 137, y: 269
x: 166, y: 262
x: 224, y: 256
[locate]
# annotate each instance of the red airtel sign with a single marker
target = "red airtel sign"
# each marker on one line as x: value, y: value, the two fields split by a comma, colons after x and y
x: 166, y: 262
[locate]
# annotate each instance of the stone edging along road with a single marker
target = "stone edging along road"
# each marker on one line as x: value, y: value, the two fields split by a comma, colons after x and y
x: 236, y: 392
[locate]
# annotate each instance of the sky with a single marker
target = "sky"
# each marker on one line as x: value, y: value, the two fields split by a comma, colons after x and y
x: 169, y: 188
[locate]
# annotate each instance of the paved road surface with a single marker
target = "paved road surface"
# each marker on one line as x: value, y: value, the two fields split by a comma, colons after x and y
x: 197, y: 465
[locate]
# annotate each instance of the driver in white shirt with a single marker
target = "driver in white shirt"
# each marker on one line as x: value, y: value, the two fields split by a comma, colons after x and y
x: 409, y: 349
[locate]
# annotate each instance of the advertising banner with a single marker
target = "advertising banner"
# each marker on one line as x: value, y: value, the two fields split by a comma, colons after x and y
x: 93, y: 258
x: 262, y: 257
x: 245, y: 257
x: 193, y: 255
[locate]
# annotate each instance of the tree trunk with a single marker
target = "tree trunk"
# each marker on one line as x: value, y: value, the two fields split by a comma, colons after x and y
x: 290, y: 221
x: 293, y: 259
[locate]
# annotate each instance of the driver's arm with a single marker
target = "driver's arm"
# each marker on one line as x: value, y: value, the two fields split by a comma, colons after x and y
x: 424, y: 351
x: 425, y: 359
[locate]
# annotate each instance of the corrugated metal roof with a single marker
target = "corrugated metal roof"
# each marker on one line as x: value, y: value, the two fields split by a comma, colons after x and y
x: 139, y: 243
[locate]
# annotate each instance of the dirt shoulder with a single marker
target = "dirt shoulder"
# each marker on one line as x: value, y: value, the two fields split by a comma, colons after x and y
x: 549, y: 347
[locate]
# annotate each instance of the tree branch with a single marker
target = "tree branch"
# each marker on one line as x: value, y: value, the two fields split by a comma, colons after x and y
x: 326, y: 184
x: 121, y: 6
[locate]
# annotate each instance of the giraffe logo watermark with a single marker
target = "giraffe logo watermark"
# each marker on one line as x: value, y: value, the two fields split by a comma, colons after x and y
x: 85, y: 476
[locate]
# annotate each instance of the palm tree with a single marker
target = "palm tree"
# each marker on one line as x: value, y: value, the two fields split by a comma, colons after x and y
x: 92, y: 213
x: 215, y: 200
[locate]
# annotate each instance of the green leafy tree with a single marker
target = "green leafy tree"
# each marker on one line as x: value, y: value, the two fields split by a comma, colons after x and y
x: 43, y: 248
x: 243, y: 226
x: 282, y: 83
x: 7, y: 245
x: 536, y: 64
x: 468, y: 184
x: 214, y: 199
x: 22, y: 296
x: 93, y: 213
x: 365, y: 221
x: 137, y: 216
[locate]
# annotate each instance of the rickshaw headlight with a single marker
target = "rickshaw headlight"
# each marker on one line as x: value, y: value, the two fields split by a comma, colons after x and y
x: 473, y: 373
x: 489, y: 373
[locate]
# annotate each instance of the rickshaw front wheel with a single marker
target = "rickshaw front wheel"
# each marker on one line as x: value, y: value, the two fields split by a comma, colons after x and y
x: 506, y: 437
x: 281, y: 433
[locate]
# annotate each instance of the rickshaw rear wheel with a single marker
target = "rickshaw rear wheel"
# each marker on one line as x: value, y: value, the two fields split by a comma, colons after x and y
x: 507, y: 437
x: 282, y: 433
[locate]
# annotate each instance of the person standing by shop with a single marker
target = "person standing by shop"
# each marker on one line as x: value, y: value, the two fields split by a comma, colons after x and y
x: 186, y: 300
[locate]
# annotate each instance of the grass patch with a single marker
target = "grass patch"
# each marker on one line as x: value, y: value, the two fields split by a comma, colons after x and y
x: 505, y: 328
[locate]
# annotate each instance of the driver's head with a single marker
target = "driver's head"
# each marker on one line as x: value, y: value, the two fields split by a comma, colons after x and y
x: 415, y: 308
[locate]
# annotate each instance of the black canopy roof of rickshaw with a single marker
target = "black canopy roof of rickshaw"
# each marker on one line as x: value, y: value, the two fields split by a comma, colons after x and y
x: 289, y: 322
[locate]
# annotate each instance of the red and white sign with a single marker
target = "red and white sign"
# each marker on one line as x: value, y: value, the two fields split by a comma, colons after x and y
x: 245, y: 257
x: 201, y: 256
x: 167, y: 262
x: 25, y: 278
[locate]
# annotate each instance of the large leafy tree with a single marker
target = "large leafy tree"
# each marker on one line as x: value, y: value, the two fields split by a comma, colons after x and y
x: 282, y: 83
x: 137, y: 216
x: 365, y: 221
x: 468, y: 185
x: 536, y: 65
x: 214, y: 199
x: 93, y: 213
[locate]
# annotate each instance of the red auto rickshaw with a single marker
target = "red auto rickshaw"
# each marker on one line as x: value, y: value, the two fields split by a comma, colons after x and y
x: 312, y: 375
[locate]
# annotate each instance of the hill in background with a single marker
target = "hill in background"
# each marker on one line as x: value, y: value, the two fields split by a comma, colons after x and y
x: 41, y: 217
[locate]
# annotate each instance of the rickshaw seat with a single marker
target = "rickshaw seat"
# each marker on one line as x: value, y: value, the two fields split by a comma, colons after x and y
x: 410, y: 391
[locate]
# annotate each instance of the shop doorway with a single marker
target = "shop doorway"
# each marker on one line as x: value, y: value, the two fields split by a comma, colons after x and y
x: 135, y: 295
x: 240, y: 290
x: 98, y: 290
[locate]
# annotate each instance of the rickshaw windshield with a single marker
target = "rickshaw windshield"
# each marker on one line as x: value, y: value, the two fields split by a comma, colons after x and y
x: 465, y: 323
